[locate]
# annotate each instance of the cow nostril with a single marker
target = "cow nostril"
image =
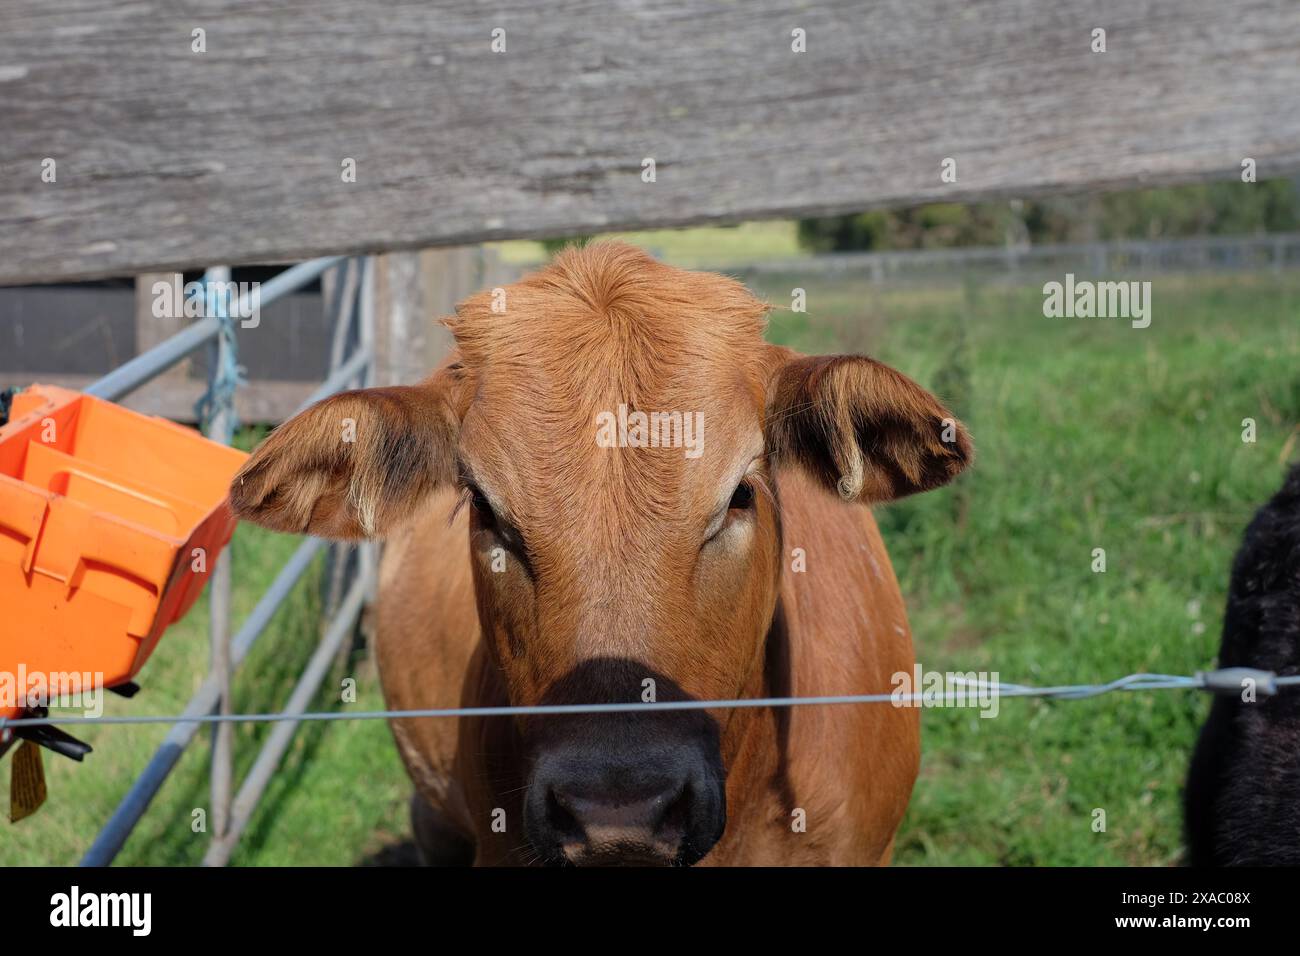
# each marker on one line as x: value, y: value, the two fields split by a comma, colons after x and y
x: 677, y: 815
x: 560, y: 818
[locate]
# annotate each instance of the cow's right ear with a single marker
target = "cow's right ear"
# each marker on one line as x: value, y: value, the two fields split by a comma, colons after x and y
x: 353, y: 465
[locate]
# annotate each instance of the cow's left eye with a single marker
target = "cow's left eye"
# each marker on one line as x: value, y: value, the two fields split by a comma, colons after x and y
x: 742, y: 499
x: 478, y: 501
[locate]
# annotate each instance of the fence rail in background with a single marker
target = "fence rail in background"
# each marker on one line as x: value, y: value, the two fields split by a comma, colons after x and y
x: 1124, y: 258
x: 349, y: 305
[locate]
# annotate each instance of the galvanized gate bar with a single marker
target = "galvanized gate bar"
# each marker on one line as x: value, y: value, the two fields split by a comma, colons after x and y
x: 149, y: 365
x: 220, y: 429
x: 226, y: 655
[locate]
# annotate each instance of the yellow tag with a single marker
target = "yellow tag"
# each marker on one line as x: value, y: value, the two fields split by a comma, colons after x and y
x: 26, y: 782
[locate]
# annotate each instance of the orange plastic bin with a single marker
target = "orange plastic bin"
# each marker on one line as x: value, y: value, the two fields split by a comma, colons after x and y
x: 102, y: 515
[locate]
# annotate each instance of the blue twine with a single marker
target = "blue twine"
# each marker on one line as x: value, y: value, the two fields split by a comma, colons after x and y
x: 228, y: 375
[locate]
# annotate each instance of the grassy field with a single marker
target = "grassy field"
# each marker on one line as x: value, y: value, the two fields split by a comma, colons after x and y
x: 1090, y: 435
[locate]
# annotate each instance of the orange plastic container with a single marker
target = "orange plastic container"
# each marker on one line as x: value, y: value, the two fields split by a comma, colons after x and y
x: 101, y: 512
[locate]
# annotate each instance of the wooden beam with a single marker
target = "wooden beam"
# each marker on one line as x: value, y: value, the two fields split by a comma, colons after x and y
x: 167, y: 158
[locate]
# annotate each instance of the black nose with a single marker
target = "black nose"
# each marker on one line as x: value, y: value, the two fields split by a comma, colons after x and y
x: 612, y: 809
x: 623, y: 788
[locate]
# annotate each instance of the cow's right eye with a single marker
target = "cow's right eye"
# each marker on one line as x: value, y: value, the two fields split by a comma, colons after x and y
x: 478, y: 501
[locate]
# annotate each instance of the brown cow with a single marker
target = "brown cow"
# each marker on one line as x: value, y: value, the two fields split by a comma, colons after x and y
x: 571, y: 571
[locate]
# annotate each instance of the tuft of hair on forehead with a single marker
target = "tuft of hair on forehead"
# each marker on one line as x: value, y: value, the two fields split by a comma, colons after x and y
x: 612, y: 299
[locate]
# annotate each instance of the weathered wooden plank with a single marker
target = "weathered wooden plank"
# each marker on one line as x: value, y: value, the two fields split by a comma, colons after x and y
x: 168, y: 158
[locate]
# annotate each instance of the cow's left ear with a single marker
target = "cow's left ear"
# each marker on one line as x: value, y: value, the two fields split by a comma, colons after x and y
x: 863, y: 429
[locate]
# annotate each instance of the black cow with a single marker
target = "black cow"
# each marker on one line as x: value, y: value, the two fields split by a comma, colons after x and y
x: 1243, y: 789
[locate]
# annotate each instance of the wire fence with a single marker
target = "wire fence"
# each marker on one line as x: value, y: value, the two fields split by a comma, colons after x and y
x: 1226, y: 681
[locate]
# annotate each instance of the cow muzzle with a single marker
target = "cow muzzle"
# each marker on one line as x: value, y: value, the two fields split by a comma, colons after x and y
x: 648, y: 799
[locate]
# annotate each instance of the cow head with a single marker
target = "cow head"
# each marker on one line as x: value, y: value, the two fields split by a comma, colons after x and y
x: 615, y: 428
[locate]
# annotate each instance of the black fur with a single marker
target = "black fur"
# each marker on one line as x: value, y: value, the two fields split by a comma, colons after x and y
x: 1243, y: 789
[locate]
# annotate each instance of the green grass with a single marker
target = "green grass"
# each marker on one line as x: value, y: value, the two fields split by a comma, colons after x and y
x: 1090, y: 434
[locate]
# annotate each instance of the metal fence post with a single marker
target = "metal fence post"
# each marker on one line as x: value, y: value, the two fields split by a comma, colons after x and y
x: 220, y: 429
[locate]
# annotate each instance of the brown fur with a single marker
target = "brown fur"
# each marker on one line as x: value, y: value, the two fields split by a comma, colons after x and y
x: 606, y: 556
